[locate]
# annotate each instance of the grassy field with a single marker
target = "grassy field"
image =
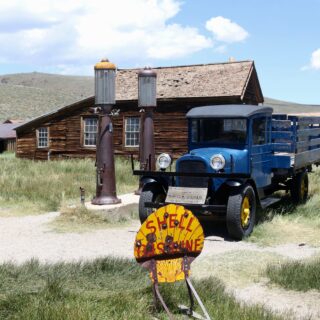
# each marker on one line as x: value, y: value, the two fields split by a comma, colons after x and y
x: 40, y: 186
x: 287, y: 223
x: 301, y: 276
x: 104, y: 289
x: 80, y: 219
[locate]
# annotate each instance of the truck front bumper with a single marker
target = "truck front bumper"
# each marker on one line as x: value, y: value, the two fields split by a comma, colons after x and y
x: 205, y: 209
x: 190, y: 174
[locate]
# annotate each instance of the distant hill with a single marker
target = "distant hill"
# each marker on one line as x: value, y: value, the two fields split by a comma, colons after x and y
x: 28, y: 95
x: 290, y: 107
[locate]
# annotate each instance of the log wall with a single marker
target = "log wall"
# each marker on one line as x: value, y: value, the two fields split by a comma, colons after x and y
x: 65, y: 134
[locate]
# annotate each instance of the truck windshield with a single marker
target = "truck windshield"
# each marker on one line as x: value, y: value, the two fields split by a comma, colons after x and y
x: 220, y: 131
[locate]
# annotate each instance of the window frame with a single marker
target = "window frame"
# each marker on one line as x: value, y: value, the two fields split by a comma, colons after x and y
x: 82, y: 136
x: 38, y: 137
x: 125, y: 118
x: 263, y: 118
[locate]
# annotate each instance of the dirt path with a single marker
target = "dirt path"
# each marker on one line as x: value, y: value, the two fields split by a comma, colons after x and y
x: 239, y: 264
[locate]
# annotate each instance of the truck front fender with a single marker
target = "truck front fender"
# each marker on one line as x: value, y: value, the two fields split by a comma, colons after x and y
x: 157, y: 180
x: 233, y: 184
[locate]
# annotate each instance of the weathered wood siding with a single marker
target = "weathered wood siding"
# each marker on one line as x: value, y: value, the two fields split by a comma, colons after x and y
x: 65, y: 134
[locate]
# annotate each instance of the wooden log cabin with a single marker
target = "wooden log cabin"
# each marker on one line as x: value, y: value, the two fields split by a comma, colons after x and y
x: 71, y: 131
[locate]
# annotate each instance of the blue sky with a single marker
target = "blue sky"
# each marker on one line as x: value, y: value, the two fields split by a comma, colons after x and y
x: 68, y: 37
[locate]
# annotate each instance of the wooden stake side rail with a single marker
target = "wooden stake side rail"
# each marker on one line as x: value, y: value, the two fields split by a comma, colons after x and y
x: 298, y: 135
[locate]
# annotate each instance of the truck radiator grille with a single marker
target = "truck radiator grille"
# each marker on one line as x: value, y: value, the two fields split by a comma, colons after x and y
x: 195, y: 167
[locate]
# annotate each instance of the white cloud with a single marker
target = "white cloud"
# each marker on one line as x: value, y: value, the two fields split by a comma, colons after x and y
x: 165, y: 44
x: 225, y: 30
x: 70, y: 34
x: 315, y: 60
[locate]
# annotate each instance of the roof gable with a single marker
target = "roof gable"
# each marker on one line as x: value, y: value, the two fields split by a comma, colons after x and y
x: 194, y: 81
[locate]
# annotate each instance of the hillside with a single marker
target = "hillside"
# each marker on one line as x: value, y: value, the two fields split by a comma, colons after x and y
x: 291, y: 107
x: 28, y: 95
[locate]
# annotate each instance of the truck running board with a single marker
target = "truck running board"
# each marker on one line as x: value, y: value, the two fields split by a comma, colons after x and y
x: 267, y: 202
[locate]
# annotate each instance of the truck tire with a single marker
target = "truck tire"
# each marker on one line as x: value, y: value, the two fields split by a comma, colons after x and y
x: 241, y: 212
x: 299, y: 187
x: 150, y: 193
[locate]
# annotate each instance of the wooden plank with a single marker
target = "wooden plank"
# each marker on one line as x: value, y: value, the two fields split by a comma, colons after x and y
x: 282, y: 147
x: 281, y: 124
x: 308, y: 143
x: 279, y: 116
x: 308, y: 132
x: 65, y: 133
x: 282, y: 135
x: 309, y: 120
x: 306, y: 158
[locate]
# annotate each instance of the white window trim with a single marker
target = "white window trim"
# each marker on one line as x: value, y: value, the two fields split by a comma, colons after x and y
x: 84, y: 131
x: 125, y: 132
x: 38, y: 138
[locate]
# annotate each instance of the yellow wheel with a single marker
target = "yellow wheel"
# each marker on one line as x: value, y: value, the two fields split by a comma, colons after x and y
x: 245, y: 212
x: 241, y: 212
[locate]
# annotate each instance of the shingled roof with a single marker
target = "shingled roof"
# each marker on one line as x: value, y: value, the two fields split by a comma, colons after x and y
x: 7, y: 131
x: 202, y: 81
x: 193, y: 81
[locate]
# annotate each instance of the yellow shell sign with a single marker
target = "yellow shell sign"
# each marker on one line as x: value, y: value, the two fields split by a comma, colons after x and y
x: 168, y: 235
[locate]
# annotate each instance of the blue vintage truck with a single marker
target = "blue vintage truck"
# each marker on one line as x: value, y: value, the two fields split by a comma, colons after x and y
x: 238, y: 157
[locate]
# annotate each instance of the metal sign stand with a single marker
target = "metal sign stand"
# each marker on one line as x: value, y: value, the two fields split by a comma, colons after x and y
x: 189, y: 311
x: 166, y: 244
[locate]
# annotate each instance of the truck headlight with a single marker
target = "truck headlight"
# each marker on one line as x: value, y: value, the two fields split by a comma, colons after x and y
x: 217, y: 162
x: 164, y: 161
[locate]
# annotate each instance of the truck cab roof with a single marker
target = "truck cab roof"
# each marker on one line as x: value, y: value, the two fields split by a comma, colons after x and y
x: 228, y: 111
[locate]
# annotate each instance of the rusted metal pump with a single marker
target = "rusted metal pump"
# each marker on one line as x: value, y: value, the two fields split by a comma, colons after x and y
x: 105, y: 73
x: 147, y: 85
x: 147, y: 96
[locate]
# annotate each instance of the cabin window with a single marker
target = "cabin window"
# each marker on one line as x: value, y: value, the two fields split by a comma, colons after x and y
x: 259, y: 131
x: 90, y: 129
x: 132, y: 131
x: 43, y: 137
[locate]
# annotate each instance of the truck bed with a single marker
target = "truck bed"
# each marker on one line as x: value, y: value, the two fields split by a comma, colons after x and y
x: 295, y: 140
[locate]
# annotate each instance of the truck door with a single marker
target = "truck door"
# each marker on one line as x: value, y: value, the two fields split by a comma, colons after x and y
x: 261, y: 151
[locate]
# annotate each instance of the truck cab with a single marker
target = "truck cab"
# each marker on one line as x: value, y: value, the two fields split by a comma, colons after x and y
x: 231, y: 167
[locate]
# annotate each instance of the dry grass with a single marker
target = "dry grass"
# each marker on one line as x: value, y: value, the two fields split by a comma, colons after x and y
x: 80, y: 219
x: 235, y: 268
x: 105, y: 289
x: 40, y: 186
x: 287, y: 223
x: 296, y: 275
